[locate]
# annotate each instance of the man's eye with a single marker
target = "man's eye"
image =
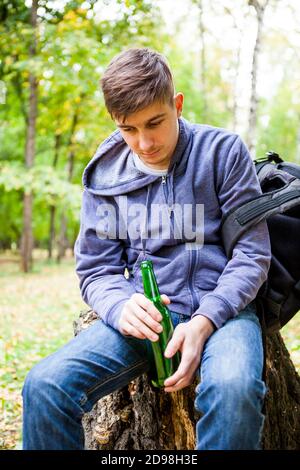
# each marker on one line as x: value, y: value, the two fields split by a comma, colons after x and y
x: 154, y: 124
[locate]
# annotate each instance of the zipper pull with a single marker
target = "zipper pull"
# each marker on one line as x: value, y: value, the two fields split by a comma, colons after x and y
x: 164, y: 179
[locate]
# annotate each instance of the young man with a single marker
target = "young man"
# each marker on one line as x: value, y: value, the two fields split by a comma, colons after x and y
x: 157, y: 189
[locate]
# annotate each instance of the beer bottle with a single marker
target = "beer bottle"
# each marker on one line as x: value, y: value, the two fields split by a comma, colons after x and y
x: 165, y: 367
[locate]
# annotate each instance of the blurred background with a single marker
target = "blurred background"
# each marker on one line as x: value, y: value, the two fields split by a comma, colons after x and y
x: 237, y: 63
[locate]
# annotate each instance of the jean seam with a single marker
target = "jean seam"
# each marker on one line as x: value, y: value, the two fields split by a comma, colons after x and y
x: 114, y: 376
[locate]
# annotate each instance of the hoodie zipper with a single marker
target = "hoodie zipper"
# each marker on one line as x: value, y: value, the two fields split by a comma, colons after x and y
x: 190, y: 283
x: 193, y: 252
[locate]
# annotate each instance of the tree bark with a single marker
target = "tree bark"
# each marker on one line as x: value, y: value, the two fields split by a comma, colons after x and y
x: 139, y: 417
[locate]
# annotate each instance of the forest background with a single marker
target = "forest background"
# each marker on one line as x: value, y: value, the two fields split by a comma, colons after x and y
x: 237, y: 63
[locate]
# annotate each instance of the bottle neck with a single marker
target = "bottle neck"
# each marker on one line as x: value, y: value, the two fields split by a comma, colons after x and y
x: 151, y: 290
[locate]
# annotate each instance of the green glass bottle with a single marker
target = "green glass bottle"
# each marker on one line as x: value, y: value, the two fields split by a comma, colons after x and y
x: 165, y: 367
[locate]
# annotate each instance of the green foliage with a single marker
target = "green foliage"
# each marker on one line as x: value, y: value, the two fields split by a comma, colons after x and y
x: 44, y: 182
x: 281, y: 126
x: 75, y: 42
x: 74, y: 45
x: 49, y: 189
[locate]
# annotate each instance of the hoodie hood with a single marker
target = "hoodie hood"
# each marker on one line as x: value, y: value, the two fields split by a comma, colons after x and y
x: 112, y: 172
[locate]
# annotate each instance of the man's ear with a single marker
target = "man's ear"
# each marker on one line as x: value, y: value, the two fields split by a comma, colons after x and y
x: 178, y: 100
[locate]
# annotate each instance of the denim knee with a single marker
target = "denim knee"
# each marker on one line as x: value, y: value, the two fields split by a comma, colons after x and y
x: 47, y: 384
x: 50, y: 411
x: 232, y: 394
x: 37, y: 381
x: 33, y: 383
x: 231, y: 414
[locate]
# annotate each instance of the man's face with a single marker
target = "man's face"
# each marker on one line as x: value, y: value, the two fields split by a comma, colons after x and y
x: 152, y: 133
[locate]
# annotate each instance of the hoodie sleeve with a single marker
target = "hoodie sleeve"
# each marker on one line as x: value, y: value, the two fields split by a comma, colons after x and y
x: 100, y: 266
x: 247, y: 270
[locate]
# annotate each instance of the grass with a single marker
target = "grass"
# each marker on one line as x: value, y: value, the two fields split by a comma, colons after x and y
x: 37, y: 311
x: 36, y: 317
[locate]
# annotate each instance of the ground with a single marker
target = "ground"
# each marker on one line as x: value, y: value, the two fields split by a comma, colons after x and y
x: 36, y: 317
x: 37, y: 311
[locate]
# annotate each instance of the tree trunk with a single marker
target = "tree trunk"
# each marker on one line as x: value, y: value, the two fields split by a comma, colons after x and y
x: 139, y: 417
x: 239, y: 27
x: 51, y: 231
x: 63, y: 242
x: 53, y: 207
x: 63, y: 239
x: 203, y: 71
x: 260, y: 8
x: 27, y: 236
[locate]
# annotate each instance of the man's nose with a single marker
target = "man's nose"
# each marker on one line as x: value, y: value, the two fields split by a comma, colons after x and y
x: 146, y: 143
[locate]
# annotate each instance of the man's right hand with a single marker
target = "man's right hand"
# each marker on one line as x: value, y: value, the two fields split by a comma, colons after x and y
x: 140, y: 318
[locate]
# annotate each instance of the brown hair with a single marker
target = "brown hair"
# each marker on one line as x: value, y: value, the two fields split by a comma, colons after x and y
x: 135, y: 79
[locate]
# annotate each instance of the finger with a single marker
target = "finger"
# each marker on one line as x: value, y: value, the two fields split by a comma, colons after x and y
x: 184, y: 371
x: 130, y: 324
x: 174, y: 379
x: 135, y: 321
x: 146, y: 318
x: 186, y: 366
x: 174, y: 344
x: 165, y: 299
x: 130, y: 330
x: 184, y: 382
x: 147, y: 305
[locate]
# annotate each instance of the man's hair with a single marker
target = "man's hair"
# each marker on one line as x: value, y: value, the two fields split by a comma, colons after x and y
x: 135, y: 79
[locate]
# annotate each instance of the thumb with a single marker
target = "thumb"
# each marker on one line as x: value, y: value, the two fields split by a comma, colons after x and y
x: 165, y: 299
x: 174, y: 344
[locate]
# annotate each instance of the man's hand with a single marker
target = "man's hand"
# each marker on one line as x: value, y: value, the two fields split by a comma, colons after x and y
x: 189, y: 338
x: 140, y: 318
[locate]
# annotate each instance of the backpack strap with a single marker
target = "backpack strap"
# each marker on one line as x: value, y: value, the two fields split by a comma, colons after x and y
x: 270, y: 156
x: 266, y: 161
x: 238, y: 220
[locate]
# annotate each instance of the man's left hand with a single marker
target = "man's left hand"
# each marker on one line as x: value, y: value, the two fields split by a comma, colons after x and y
x: 189, y: 339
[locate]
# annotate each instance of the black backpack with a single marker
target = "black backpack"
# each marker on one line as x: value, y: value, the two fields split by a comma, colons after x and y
x: 279, y: 297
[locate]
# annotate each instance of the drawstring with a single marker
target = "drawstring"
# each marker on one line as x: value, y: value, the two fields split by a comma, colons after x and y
x: 144, y: 228
x: 145, y: 224
x: 171, y: 204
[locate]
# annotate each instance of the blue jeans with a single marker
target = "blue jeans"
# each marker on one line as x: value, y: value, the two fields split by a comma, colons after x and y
x: 65, y: 385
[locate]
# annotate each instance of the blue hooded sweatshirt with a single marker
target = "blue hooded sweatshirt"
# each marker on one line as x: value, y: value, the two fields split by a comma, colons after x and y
x: 174, y: 220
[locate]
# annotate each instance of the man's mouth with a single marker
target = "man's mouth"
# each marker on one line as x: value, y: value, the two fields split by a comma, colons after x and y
x: 150, y: 154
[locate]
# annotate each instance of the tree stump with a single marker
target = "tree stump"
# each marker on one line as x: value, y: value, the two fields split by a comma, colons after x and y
x: 139, y: 417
